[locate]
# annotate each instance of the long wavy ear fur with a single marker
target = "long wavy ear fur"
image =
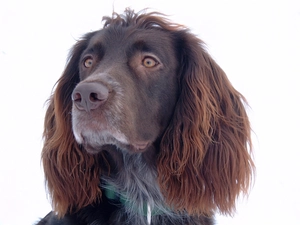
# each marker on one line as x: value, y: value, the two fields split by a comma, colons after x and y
x: 205, y: 159
x: 72, y: 175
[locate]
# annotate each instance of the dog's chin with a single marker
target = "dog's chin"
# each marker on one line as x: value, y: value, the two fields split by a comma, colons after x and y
x: 96, y: 148
x: 95, y: 142
x: 93, y: 150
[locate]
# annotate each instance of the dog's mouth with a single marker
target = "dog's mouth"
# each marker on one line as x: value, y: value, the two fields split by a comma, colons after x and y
x: 98, y: 143
x: 141, y: 145
x: 135, y: 148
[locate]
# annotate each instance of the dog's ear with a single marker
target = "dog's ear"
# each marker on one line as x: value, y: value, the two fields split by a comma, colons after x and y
x: 72, y: 175
x: 205, y: 158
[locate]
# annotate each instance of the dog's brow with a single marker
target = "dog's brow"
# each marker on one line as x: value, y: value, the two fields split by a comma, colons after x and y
x: 96, y: 48
x: 145, y: 47
x: 141, y: 46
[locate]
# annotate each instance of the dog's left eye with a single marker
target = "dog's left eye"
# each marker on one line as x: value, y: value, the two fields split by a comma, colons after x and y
x: 149, y: 62
x: 88, y: 63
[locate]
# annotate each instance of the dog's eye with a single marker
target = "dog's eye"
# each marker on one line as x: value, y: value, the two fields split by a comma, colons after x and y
x: 88, y: 63
x: 149, y: 62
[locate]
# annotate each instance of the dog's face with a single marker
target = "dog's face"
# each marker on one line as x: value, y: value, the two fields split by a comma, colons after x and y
x: 127, y: 91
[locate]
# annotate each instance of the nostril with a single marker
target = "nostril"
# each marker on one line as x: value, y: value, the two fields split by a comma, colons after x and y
x: 96, y: 97
x: 76, y: 97
x: 93, y: 97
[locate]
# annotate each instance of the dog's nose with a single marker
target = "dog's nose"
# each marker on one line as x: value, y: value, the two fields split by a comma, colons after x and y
x: 89, y: 96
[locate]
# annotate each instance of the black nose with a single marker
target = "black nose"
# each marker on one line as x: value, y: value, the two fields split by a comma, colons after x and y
x: 89, y: 96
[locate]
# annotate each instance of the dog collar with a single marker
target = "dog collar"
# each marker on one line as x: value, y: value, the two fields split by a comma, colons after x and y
x: 111, y: 193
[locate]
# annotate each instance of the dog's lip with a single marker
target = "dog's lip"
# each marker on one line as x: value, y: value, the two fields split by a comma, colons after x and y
x: 141, y: 145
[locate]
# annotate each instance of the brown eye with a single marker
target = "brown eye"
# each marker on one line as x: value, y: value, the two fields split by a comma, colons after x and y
x: 149, y: 62
x: 88, y: 63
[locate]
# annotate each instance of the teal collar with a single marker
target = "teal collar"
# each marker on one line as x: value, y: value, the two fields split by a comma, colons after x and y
x: 111, y: 193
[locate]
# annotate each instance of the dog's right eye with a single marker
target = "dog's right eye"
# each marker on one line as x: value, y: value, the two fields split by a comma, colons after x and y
x: 88, y: 62
x: 149, y: 62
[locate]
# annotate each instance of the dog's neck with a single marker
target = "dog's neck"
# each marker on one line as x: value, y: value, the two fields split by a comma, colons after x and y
x: 133, y: 183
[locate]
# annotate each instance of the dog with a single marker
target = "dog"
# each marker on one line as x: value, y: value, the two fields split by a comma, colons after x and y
x: 144, y: 127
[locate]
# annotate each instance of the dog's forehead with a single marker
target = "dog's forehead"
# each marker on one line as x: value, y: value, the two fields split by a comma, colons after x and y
x: 126, y: 38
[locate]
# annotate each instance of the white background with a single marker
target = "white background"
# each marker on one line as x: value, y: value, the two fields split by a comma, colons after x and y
x: 256, y: 42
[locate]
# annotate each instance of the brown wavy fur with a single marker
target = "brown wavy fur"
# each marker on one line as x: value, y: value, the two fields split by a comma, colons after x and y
x: 205, y: 154
x: 204, y: 151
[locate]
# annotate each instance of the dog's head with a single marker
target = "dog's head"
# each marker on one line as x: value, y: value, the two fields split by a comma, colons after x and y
x: 127, y: 87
